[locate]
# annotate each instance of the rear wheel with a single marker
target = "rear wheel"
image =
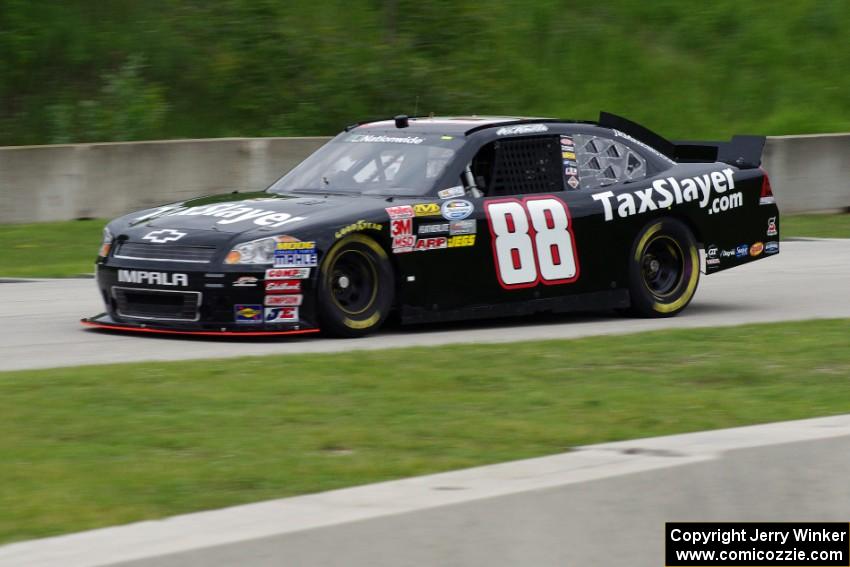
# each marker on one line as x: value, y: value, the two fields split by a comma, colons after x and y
x: 663, y: 269
x: 356, y: 287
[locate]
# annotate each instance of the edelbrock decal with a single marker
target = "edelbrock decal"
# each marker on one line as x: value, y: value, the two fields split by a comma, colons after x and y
x: 666, y: 192
x: 153, y: 278
x: 230, y: 213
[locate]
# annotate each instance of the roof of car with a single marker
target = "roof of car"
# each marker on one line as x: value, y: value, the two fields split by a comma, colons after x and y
x: 446, y: 124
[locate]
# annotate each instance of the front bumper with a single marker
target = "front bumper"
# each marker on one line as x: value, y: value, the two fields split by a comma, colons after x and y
x: 104, y: 321
x: 160, y: 298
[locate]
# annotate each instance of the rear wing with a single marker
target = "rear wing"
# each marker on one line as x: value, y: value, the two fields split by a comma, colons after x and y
x: 741, y: 151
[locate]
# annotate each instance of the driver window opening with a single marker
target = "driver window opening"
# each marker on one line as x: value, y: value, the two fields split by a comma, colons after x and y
x: 516, y: 166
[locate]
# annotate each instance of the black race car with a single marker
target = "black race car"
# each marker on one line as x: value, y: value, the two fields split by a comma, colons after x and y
x: 441, y: 219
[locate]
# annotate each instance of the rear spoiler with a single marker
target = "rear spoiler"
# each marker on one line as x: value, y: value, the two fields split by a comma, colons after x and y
x: 741, y: 151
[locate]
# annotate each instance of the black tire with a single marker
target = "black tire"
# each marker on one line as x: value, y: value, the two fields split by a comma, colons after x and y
x: 356, y: 287
x: 663, y: 269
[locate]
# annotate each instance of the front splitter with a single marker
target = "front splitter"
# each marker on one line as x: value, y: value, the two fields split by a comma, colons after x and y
x: 104, y: 321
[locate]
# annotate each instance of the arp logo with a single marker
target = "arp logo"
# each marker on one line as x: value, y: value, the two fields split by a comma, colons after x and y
x: 164, y: 235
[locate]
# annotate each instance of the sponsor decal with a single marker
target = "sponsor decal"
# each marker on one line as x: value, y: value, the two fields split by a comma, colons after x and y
x: 431, y: 243
x: 400, y: 212
x: 285, y: 286
x: 459, y: 241
x: 771, y: 227
x: 245, y: 281
x: 712, y: 261
x: 153, y: 278
x: 296, y: 245
x: 573, y: 182
x: 164, y: 235
x: 251, y: 314
x: 664, y: 193
x: 358, y: 226
x: 462, y: 227
x: 742, y: 250
x: 451, y: 192
x: 521, y: 129
x: 771, y: 247
x: 771, y: 200
x: 637, y: 142
x: 730, y: 253
x: 712, y: 251
x: 756, y: 249
x: 289, y: 300
x: 230, y: 213
x: 281, y: 314
x: 433, y: 228
x: 380, y: 139
x: 426, y: 209
x: 401, y: 231
x: 570, y: 170
x: 457, y: 209
x: 295, y: 255
x: 288, y: 274
x: 568, y: 155
x: 296, y: 259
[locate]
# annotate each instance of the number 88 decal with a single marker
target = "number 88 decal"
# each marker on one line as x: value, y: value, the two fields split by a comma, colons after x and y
x: 532, y: 241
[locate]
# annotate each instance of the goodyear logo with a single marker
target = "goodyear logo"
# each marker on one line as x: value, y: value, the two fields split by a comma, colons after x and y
x: 458, y: 241
x: 426, y: 210
x: 296, y: 245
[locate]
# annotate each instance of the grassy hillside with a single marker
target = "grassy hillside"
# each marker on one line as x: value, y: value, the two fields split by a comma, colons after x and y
x: 80, y: 70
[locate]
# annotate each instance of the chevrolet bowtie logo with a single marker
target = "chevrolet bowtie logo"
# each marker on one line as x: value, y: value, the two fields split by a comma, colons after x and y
x: 163, y: 236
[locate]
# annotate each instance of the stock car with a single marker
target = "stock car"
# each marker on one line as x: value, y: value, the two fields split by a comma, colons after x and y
x: 439, y: 219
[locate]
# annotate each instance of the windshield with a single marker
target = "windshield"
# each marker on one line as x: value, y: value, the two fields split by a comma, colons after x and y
x: 372, y: 164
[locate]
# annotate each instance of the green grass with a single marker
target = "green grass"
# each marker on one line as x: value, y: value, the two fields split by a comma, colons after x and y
x: 94, y: 446
x: 49, y: 249
x: 818, y: 225
x: 65, y: 249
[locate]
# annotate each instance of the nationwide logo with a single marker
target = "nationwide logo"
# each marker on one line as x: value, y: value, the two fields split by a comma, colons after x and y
x: 671, y: 191
x: 153, y: 278
x: 457, y: 209
x: 164, y: 235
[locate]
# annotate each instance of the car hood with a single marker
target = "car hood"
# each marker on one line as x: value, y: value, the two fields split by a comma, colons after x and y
x: 240, y: 212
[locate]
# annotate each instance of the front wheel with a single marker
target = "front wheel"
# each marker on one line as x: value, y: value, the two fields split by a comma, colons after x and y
x: 356, y: 287
x: 663, y: 269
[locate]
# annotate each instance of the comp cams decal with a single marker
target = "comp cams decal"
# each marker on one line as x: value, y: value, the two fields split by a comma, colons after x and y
x: 153, y: 278
x: 666, y: 192
x: 533, y: 242
x: 288, y: 274
x: 230, y: 213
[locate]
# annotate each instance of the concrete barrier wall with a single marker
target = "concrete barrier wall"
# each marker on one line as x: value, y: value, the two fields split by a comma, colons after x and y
x: 63, y: 182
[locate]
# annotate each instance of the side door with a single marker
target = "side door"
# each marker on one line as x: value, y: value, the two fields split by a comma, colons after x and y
x: 510, y: 233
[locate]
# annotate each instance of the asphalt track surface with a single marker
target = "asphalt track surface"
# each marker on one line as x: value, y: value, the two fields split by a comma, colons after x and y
x: 39, y: 320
